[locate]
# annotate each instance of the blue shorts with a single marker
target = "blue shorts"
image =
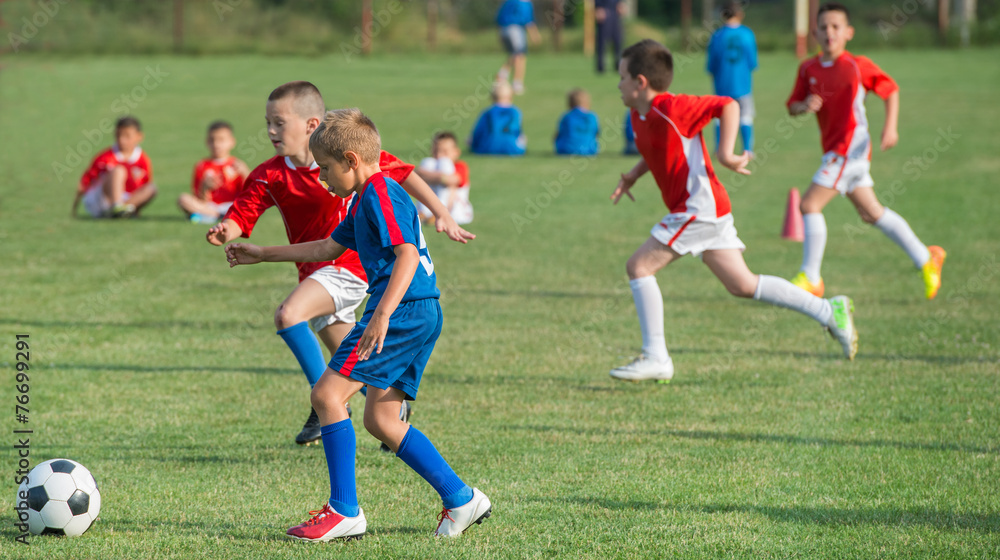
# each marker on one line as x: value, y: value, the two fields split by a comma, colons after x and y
x: 514, y: 39
x: 414, y: 327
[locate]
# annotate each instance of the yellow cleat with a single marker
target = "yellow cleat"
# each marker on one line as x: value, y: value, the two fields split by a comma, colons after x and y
x: 802, y: 281
x: 932, y: 270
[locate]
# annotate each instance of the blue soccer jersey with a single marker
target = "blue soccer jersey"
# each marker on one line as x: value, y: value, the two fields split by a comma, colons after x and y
x: 380, y: 217
x: 516, y: 12
x: 498, y: 132
x: 732, y: 57
x: 578, y: 130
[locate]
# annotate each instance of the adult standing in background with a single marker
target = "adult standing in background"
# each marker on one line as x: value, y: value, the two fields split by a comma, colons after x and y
x: 609, y: 14
x: 732, y: 58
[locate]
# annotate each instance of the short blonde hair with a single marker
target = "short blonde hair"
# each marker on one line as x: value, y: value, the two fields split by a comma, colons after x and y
x: 576, y: 97
x: 347, y: 130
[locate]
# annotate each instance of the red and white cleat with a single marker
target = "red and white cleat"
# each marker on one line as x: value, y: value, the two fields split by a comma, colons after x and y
x: 327, y: 525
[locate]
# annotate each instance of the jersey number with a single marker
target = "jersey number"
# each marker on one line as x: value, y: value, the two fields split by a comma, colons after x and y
x: 425, y: 257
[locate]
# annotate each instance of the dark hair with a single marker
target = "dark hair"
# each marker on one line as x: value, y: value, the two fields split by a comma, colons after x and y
x: 833, y: 7
x: 444, y: 135
x: 219, y: 125
x: 308, y: 99
x: 732, y: 9
x: 653, y: 60
x: 128, y: 121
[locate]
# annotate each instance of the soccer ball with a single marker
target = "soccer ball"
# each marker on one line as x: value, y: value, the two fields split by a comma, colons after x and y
x: 62, y: 496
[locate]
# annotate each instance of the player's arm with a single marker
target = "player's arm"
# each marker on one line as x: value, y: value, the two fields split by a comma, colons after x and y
x: 628, y: 179
x: 311, y: 251
x: 729, y: 125
x: 223, y: 232
x: 890, y: 132
x: 446, y: 179
x: 801, y: 100
x: 407, y: 260
x: 443, y: 221
x: 76, y: 203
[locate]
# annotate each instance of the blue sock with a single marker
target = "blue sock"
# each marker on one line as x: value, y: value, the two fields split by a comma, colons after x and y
x: 746, y: 130
x: 303, y: 344
x: 718, y: 134
x: 340, y: 446
x: 420, y: 455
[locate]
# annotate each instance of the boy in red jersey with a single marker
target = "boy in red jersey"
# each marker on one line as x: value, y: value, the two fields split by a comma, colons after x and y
x: 833, y: 85
x: 668, y: 134
x: 328, y: 292
x: 119, y: 182
x: 217, y: 179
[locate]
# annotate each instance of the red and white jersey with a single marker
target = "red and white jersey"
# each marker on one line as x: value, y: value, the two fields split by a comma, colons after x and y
x: 230, y: 181
x: 140, y: 171
x: 843, y: 84
x: 309, y: 211
x: 670, y: 140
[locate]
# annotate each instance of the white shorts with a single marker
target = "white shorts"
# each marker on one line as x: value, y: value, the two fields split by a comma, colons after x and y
x: 347, y: 291
x: 689, y: 234
x: 845, y: 175
x: 747, y: 111
x: 95, y: 203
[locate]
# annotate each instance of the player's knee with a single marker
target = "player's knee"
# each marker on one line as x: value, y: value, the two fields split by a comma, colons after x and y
x: 866, y: 216
x: 119, y: 173
x: 742, y: 289
x: 373, y: 424
x: 635, y: 269
x: 286, y: 316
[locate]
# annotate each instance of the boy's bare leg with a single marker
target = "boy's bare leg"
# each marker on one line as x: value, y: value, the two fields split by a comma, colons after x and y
x: 731, y: 269
x: 649, y: 258
x: 893, y: 226
x: 191, y: 204
x: 382, y: 416
x: 309, y: 299
x: 520, y: 64
x: 333, y: 335
x: 814, y: 244
x: 113, y: 186
x: 330, y: 395
x: 143, y: 196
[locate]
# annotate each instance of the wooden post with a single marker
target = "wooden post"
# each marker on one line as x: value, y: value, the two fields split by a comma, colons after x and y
x: 432, y: 18
x: 588, y: 27
x: 943, y: 22
x: 967, y: 15
x: 686, y: 23
x: 178, y: 25
x: 801, y: 27
x: 366, y: 27
x: 558, y: 19
x: 811, y: 43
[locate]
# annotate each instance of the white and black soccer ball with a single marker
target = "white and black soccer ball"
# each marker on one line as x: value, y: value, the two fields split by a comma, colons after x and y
x: 63, y: 498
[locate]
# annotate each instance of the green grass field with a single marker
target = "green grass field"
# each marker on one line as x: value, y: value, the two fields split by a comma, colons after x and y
x: 157, y: 367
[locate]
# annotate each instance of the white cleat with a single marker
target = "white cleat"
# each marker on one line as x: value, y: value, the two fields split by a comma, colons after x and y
x: 454, y: 522
x: 643, y: 368
x: 841, y: 325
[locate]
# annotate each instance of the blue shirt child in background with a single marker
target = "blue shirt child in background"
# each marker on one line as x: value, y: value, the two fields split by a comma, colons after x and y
x: 516, y: 21
x: 578, y: 128
x: 498, y: 130
x: 732, y: 58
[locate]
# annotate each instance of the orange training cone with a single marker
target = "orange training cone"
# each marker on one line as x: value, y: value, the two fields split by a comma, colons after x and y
x: 793, y: 230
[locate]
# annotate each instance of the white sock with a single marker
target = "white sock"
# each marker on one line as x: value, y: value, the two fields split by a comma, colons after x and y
x: 895, y: 227
x: 649, y: 306
x: 814, y: 225
x: 781, y: 292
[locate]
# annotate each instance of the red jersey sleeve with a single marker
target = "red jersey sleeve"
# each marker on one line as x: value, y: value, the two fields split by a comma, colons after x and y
x: 692, y: 112
x: 801, y: 89
x: 463, y: 174
x: 252, y: 201
x: 393, y: 167
x: 874, y: 79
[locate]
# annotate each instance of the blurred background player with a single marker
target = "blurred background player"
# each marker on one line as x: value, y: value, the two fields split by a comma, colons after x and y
x: 389, y: 348
x: 119, y: 181
x: 630, y: 149
x: 608, y: 15
x: 578, y: 128
x: 732, y: 58
x: 668, y: 133
x: 217, y: 179
x: 516, y: 20
x: 498, y: 130
x: 448, y: 177
x: 833, y: 85
x: 329, y: 291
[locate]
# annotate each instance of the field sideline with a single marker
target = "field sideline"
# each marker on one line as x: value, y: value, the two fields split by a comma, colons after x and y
x: 157, y: 367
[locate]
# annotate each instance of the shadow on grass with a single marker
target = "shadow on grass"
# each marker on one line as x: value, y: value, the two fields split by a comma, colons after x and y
x: 885, y: 516
x: 766, y: 438
x: 171, y: 369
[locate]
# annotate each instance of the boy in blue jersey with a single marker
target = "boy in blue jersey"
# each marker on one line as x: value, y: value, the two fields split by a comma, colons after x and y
x: 732, y: 58
x: 630, y: 149
x: 516, y: 21
x: 498, y: 130
x: 389, y: 347
x: 578, y: 128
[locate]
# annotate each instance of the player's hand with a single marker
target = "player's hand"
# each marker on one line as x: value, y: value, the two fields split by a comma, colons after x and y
x: 455, y: 232
x: 243, y: 253
x: 210, y: 181
x: 737, y: 163
x: 241, y: 168
x: 813, y: 103
x: 889, y: 138
x: 217, y: 234
x: 623, y: 188
x: 373, y: 338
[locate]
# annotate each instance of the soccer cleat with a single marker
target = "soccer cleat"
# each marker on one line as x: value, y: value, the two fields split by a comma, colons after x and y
x: 404, y: 414
x: 311, y: 431
x: 453, y: 522
x: 802, y: 281
x: 643, y: 368
x: 123, y: 211
x: 327, y: 525
x: 932, y: 270
x: 841, y: 325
